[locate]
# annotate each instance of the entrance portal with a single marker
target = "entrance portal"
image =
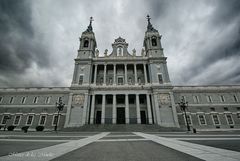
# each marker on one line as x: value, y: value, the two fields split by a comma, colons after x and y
x: 98, y: 117
x: 121, y: 115
x: 143, y: 117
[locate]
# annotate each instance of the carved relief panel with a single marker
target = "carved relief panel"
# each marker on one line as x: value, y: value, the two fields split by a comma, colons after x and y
x: 78, y: 99
x: 164, y: 98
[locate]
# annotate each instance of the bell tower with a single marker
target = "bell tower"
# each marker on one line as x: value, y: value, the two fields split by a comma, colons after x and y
x: 83, y: 62
x: 88, y: 43
x: 152, y: 41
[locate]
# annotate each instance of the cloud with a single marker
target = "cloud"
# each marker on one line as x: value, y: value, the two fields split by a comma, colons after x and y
x: 39, y: 39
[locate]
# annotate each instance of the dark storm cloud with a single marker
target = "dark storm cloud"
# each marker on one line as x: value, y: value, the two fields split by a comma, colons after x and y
x: 39, y: 41
x: 18, y: 48
x: 226, y: 15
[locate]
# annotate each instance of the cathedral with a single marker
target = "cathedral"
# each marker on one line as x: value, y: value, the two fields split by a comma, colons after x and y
x: 121, y: 87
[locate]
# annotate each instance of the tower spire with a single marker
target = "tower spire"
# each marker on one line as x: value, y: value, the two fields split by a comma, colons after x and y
x: 149, y: 26
x: 90, y: 29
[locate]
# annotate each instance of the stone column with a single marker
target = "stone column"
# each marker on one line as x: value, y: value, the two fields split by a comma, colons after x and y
x: 85, y: 108
x: 135, y: 74
x: 138, y: 109
x: 92, y: 109
x: 95, y: 74
x: 149, y: 109
x: 114, y: 110
x: 127, y: 108
x: 114, y: 74
x: 104, y: 74
x: 103, y: 109
x: 126, y: 79
x: 158, y: 119
x: 69, y: 105
x: 145, y: 73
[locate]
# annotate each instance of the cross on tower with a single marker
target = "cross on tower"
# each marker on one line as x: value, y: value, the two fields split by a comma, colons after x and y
x: 91, y: 19
x: 148, y: 18
x: 89, y: 29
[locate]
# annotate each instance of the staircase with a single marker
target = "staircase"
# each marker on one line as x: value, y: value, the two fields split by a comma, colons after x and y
x: 122, y: 128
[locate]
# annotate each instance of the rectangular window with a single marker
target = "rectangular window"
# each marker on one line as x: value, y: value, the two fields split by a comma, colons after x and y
x: 238, y: 115
x: 35, y: 99
x: 1, y: 98
x: 55, y: 120
x: 189, y: 120
x: 202, y: 120
x: 5, y: 118
x: 222, y: 98
x: 212, y: 109
x: 29, y: 120
x: 11, y: 100
x: 229, y: 119
x: 225, y: 109
x: 120, y: 80
x: 23, y: 100
x: 131, y: 100
x: 160, y: 78
x: 42, y: 120
x: 209, y: 99
x: 195, y: 99
x: 47, y: 101
x: 109, y: 100
x: 80, y: 80
x: 120, y: 100
x: 17, y: 119
x: 215, y: 119
x: 99, y: 100
x: 234, y: 97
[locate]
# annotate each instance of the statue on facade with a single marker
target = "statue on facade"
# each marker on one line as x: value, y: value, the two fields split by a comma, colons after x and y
x: 120, y: 51
x: 105, y: 53
x: 97, y: 53
x: 134, y: 52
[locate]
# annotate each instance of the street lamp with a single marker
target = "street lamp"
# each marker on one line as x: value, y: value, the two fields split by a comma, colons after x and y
x: 59, y: 106
x: 183, y: 106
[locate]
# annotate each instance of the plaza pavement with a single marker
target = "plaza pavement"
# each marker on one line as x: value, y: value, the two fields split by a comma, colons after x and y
x: 119, y: 146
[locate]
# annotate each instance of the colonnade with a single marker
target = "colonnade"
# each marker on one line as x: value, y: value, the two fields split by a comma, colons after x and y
x: 114, y: 109
x: 115, y: 73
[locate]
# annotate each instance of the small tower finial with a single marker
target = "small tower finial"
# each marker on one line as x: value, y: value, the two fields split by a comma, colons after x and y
x: 89, y: 29
x: 148, y: 18
x: 150, y: 27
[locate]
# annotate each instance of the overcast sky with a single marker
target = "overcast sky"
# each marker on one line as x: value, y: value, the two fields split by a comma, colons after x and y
x: 39, y: 39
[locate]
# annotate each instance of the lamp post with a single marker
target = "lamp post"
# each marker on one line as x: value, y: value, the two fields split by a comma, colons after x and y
x: 183, y: 106
x: 60, y: 105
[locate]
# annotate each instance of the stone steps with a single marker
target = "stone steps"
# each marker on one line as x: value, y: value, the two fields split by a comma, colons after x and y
x: 124, y: 128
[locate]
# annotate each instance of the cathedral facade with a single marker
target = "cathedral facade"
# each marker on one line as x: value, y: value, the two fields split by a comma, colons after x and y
x: 121, y: 88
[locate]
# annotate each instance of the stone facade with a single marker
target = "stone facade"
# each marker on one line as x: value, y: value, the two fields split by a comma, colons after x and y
x: 121, y: 88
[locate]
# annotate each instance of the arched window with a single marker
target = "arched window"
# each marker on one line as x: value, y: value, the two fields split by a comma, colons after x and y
x: 85, y: 44
x: 154, y: 41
